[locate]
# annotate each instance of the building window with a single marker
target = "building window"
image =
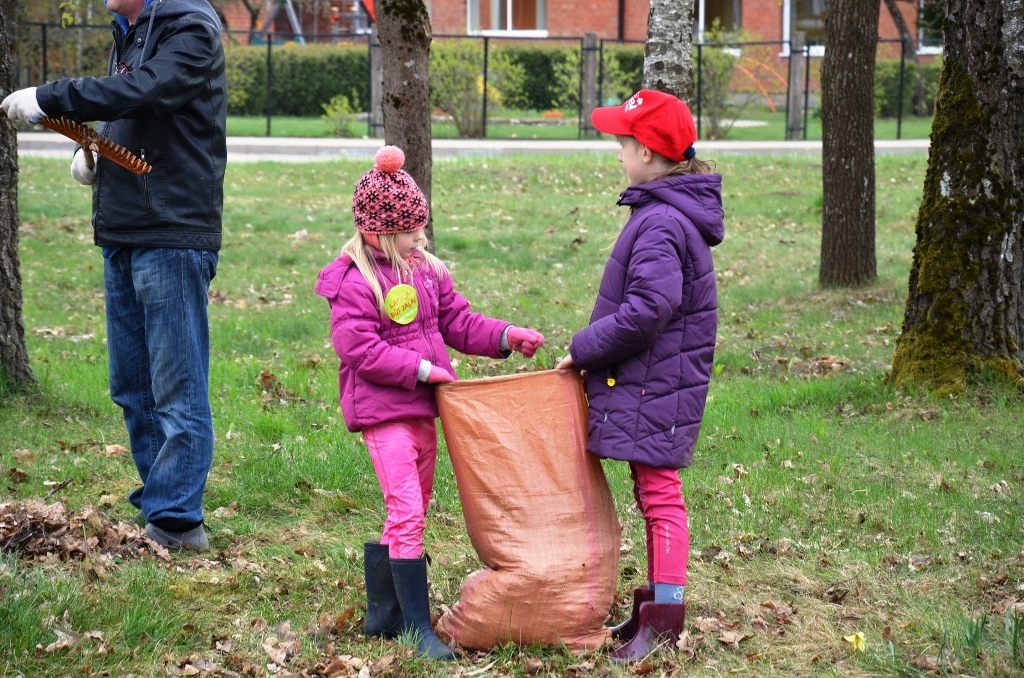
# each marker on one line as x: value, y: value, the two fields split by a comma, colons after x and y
x: 524, y: 17
x: 707, y: 12
x: 929, y: 26
x: 809, y: 16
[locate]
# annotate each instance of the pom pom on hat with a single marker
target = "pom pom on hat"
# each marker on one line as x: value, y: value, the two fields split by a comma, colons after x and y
x: 389, y: 159
x: 387, y: 199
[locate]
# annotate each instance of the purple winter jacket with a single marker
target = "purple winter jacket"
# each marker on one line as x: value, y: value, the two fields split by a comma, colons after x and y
x: 380, y: 359
x: 651, y: 340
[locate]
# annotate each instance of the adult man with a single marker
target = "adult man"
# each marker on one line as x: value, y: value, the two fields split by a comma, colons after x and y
x: 163, y: 99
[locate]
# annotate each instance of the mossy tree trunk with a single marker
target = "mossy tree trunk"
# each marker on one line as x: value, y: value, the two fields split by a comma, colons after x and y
x: 848, y: 144
x: 14, y: 367
x: 668, y: 52
x: 964, y: 314
x: 403, y: 27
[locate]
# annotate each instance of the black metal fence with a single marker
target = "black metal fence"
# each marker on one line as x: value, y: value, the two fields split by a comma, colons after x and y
x: 502, y: 87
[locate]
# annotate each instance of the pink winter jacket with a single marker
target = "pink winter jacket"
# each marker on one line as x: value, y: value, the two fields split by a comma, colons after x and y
x: 380, y: 359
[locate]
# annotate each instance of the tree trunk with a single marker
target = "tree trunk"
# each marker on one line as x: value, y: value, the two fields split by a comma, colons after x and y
x: 403, y: 27
x: 668, y: 53
x: 848, y: 144
x: 964, y: 314
x: 14, y: 367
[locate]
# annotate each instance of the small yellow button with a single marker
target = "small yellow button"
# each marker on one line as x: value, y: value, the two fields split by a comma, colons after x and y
x: 611, y: 381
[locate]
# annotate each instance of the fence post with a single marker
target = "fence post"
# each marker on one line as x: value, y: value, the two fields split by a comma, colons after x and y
x: 600, y: 73
x: 899, y: 104
x: 45, y: 64
x: 376, y: 117
x: 270, y: 75
x: 700, y: 83
x: 793, y: 117
x: 589, y: 82
x: 807, y: 84
x: 483, y: 118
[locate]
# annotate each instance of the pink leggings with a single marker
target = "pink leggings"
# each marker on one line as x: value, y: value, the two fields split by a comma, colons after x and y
x: 404, y: 455
x: 658, y: 494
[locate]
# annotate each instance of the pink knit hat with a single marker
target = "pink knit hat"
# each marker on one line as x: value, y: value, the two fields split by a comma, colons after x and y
x: 387, y: 199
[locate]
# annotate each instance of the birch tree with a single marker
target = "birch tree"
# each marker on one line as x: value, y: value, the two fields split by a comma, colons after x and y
x: 668, y: 53
x: 965, y: 314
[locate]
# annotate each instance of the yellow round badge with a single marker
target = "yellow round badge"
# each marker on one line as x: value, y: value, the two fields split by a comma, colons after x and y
x: 402, y: 304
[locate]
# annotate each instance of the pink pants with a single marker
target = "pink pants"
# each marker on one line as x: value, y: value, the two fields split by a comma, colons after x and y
x: 658, y: 494
x: 404, y: 455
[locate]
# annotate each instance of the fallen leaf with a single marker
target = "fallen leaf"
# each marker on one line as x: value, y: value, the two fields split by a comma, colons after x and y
x: 686, y: 645
x: 732, y: 639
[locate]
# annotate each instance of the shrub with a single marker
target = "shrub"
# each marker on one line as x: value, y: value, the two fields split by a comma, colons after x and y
x: 304, y: 78
x: 887, y: 83
x: 339, y: 116
x: 622, y: 72
x: 457, y: 82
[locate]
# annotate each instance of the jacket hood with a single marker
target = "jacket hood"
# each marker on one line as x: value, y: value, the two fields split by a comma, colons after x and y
x: 698, y: 196
x: 169, y: 9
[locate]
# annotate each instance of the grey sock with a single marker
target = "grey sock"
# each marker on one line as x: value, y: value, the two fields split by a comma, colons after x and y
x: 668, y: 593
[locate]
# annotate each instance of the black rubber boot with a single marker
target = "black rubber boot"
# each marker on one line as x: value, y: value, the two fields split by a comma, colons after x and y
x: 383, y: 613
x: 411, y: 586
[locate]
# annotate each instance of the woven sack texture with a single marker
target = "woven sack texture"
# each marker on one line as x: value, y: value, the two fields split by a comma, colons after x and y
x: 538, y: 511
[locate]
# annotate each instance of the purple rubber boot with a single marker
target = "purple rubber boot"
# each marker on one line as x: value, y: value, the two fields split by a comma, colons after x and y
x: 660, y: 624
x: 627, y: 629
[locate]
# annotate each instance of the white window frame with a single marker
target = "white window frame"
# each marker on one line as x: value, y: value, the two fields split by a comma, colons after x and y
x: 542, y: 8
x: 816, y: 51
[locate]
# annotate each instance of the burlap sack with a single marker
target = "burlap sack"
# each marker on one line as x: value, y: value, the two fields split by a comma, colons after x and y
x: 538, y: 511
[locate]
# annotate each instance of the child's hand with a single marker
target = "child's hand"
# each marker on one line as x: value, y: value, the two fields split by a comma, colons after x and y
x: 439, y: 375
x: 525, y: 340
x: 565, y: 363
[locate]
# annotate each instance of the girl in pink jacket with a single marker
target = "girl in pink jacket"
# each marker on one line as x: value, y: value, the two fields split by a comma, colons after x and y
x: 394, y: 312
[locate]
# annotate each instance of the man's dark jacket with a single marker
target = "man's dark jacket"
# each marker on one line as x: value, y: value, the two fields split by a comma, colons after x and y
x: 169, y: 109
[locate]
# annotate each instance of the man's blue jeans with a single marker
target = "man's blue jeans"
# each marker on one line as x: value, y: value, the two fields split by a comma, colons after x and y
x: 158, y: 343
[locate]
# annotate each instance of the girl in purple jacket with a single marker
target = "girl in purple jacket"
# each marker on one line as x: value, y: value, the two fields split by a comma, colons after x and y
x: 648, y: 349
x: 393, y: 314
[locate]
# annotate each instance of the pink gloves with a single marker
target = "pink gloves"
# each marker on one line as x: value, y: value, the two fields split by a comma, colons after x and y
x: 439, y: 375
x: 524, y: 340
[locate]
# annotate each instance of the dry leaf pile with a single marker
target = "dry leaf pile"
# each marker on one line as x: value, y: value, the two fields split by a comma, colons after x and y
x: 46, y: 532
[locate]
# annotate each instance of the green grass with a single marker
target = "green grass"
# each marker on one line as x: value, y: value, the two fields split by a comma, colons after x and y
x: 501, y: 127
x: 861, y: 508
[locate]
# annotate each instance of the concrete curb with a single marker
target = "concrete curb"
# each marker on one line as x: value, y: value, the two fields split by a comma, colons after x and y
x: 285, y: 149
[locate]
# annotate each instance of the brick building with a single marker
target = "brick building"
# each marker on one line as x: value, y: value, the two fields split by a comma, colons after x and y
x: 766, y: 20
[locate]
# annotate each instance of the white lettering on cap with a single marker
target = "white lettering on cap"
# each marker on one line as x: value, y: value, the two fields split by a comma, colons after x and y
x: 634, y: 102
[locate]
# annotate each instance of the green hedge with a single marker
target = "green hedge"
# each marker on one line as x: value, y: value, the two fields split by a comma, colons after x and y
x: 542, y: 64
x: 887, y: 83
x: 304, y: 78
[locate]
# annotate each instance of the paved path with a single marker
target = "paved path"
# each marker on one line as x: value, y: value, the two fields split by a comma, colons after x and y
x: 242, y: 149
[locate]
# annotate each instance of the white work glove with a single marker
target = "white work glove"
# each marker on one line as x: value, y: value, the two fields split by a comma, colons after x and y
x: 22, y: 105
x: 80, y: 171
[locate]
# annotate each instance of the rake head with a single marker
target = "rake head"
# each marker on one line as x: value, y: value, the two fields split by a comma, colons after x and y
x: 89, y: 138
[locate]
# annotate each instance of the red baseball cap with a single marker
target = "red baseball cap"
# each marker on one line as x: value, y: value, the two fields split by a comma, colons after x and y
x: 657, y: 120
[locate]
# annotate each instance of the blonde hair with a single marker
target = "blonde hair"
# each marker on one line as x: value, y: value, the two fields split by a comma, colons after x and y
x: 361, y: 254
x: 692, y: 166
